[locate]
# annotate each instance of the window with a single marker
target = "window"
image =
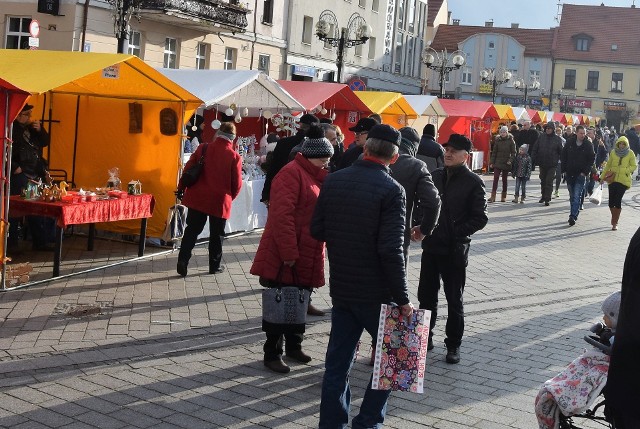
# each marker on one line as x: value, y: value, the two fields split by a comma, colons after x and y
x: 332, y: 29
x: 264, y: 63
x: 569, y: 79
x: 408, y: 68
x: 18, y: 33
x: 267, y: 12
x: 614, y: 47
x: 534, y: 75
x: 492, y: 45
x: 411, y: 15
x: 582, y: 44
x: 616, y: 82
x: 202, y: 56
x: 307, y: 29
x: 372, y: 48
x: 466, y: 76
x: 398, y: 53
x: 229, y: 59
x: 362, y: 3
x: 375, y: 5
x: 592, y: 80
x: 170, y: 53
x: 134, y: 44
x: 401, y: 13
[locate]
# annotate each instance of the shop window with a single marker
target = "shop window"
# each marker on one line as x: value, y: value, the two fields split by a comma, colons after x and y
x: 18, y: 32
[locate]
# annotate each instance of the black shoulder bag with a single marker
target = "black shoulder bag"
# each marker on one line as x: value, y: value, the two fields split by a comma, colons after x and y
x: 190, y: 176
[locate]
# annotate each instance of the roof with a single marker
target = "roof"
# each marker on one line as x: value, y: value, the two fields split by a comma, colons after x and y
x: 469, y: 108
x: 536, y: 42
x: 427, y: 105
x: 334, y: 96
x: 388, y: 103
x: 434, y: 7
x: 602, y: 23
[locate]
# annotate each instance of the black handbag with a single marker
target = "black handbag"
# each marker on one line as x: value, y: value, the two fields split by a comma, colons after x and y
x: 190, y: 175
x: 284, y: 306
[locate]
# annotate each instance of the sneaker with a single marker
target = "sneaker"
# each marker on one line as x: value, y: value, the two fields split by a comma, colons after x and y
x: 277, y: 366
x: 181, y: 268
x: 299, y: 355
x: 572, y: 221
x: 453, y: 355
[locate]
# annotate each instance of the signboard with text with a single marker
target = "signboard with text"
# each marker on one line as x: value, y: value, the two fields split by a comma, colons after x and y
x: 615, y: 105
x: 577, y: 103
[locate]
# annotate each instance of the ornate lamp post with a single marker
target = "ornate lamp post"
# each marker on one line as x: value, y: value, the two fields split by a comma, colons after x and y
x: 442, y: 62
x: 495, y: 77
x: 357, y: 32
x: 522, y: 86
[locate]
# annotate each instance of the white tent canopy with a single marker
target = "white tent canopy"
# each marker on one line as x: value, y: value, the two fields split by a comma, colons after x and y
x: 426, y: 105
x: 245, y: 88
x: 521, y: 114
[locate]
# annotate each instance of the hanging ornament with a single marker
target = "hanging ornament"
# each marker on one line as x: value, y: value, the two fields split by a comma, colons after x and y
x: 333, y: 116
x: 229, y: 112
x: 238, y: 119
x: 245, y: 111
x: 215, y: 124
x: 233, y: 106
x: 323, y: 111
x: 194, y: 128
x: 267, y: 114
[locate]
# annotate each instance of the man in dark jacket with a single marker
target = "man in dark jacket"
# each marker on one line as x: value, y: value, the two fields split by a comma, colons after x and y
x: 414, y: 177
x: 623, y: 395
x: 360, y: 214
x: 281, y: 153
x: 577, y: 158
x: 527, y: 135
x: 361, y: 131
x: 634, y: 143
x: 430, y: 151
x: 445, y: 251
x: 546, y: 154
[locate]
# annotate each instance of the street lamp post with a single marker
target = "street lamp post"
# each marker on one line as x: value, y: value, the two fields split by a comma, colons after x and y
x: 443, y: 63
x: 495, y: 77
x: 357, y: 32
x: 522, y: 86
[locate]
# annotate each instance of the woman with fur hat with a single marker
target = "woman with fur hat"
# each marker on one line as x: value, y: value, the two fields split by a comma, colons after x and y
x: 504, y: 149
x: 287, y: 253
x: 618, y: 173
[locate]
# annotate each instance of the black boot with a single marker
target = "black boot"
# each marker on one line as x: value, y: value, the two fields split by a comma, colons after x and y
x: 453, y: 355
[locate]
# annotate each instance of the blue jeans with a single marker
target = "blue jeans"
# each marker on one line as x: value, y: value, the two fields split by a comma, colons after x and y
x: 575, y: 184
x: 348, y: 320
x: 521, y: 182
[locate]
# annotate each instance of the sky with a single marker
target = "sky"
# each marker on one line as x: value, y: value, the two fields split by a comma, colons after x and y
x: 529, y: 14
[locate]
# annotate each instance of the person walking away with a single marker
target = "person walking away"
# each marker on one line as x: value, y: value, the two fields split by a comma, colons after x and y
x: 361, y: 130
x: 286, y: 243
x: 445, y: 252
x: 360, y: 215
x: 577, y: 159
x: 210, y: 196
x: 602, y: 155
x: 634, y: 142
x: 521, y: 172
x: 559, y: 133
x: 430, y: 151
x: 621, y: 164
x: 546, y: 153
x: 504, y: 149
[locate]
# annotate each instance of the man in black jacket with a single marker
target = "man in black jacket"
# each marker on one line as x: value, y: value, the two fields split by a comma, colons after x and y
x: 361, y: 130
x: 577, y: 158
x: 527, y: 135
x: 445, y: 251
x: 281, y: 153
x: 430, y: 151
x: 360, y: 214
x: 546, y: 154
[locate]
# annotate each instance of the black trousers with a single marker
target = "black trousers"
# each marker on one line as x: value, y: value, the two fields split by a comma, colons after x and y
x: 273, y: 345
x: 195, y: 224
x: 616, y: 192
x: 547, y: 176
x: 452, y: 269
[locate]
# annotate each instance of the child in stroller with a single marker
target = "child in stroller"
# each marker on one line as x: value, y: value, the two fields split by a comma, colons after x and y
x: 576, y: 388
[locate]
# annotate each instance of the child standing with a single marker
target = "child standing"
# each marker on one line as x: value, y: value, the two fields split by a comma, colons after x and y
x: 521, y: 170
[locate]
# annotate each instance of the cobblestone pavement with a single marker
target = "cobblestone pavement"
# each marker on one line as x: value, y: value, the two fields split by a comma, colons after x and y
x: 168, y: 352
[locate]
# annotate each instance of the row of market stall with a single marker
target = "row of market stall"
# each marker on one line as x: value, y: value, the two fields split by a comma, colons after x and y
x: 114, y: 110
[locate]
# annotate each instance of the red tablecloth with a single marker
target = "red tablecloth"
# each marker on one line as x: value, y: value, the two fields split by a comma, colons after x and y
x: 132, y: 207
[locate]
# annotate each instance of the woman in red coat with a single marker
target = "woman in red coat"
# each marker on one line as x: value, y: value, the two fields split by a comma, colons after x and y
x: 286, y: 243
x: 217, y: 186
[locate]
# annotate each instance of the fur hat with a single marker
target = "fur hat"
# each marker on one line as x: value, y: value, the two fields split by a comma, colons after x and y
x: 611, y: 308
x: 315, y: 144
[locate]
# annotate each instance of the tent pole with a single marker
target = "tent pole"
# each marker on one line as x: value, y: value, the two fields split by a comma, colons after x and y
x: 4, y: 195
x: 75, y: 143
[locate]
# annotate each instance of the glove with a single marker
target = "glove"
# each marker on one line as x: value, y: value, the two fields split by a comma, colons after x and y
x: 179, y: 194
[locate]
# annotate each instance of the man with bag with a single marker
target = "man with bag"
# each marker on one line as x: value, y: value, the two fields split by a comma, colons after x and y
x: 361, y: 211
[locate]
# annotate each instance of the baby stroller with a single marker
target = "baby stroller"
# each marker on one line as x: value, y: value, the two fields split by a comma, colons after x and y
x: 578, y: 392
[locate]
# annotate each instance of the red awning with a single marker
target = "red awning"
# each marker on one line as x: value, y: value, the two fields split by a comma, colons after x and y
x: 333, y: 96
x: 469, y: 109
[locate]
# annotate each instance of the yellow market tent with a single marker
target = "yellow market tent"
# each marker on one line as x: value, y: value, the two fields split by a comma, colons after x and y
x: 392, y: 106
x: 104, y: 111
x: 505, y: 116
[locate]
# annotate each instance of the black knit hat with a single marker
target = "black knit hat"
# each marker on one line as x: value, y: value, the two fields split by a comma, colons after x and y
x: 430, y: 130
x: 315, y: 144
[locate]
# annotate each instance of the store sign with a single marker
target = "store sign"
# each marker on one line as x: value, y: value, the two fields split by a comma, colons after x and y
x: 577, y: 103
x: 485, y: 88
x: 304, y: 71
x: 615, y: 105
x: 389, y: 26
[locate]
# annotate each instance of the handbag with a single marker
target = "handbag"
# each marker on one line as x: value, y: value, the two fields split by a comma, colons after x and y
x: 175, y: 224
x: 596, y: 196
x: 190, y: 175
x: 609, y: 177
x: 284, y: 307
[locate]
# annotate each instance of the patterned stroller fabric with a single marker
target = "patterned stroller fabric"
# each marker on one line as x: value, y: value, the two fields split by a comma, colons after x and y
x: 572, y: 391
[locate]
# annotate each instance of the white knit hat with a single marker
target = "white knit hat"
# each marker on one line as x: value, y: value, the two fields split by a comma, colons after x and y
x: 611, y: 308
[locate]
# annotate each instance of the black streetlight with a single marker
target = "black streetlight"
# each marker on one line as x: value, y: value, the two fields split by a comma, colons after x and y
x: 495, y: 77
x: 357, y: 32
x: 442, y: 62
x: 123, y: 11
x: 522, y: 86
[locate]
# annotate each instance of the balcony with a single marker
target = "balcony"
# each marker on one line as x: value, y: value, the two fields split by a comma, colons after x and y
x: 213, y: 16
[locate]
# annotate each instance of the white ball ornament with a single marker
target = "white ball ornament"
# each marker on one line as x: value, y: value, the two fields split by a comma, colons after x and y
x: 215, y: 124
x: 229, y: 112
x: 267, y: 114
x: 194, y: 128
x: 245, y: 111
x: 323, y: 111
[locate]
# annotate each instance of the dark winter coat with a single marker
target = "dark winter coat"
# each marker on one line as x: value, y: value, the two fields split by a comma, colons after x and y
x: 577, y: 159
x: 547, y: 151
x: 26, y: 153
x: 360, y: 214
x: 522, y: 166
x: 431, y: 152
x: 624, y: 373
x: 528, y: 137
x: 463, y: 211
x: 634, y: 140
x: 287, y: 236
x: 504, y: 149
x: 350, y: 156
x: 219, y: 182
x: 280, y: 159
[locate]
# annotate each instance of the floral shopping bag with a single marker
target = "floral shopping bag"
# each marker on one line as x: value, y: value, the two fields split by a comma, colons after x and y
x: 401, y: 350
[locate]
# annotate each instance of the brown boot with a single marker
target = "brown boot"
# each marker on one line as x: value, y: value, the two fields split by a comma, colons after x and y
x: 277, y: 365
x: 492, y: 199
x: 615, y: 217
x: 504, y: 197
x: 515, y: 199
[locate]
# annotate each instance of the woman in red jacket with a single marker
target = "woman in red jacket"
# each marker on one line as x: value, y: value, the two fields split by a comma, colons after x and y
x: 217, y: 186
x: 286, y: 243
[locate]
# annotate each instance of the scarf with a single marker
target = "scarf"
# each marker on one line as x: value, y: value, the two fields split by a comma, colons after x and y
x: 622, y: 152
x: 228, y: 136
